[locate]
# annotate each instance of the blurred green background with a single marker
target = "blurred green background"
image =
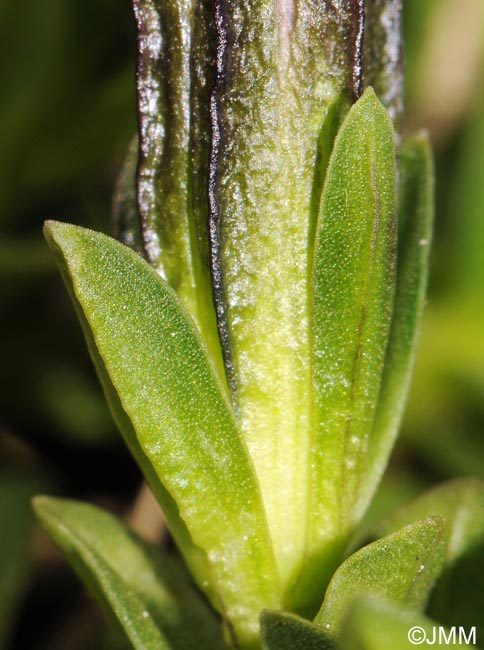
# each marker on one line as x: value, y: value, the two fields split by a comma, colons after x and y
x: 67, y: 112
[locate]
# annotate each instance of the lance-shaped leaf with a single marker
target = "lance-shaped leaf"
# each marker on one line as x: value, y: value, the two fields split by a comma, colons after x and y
x: 415, y: 218
x: 284, y: 631
x: 375, y: 624
x: 171, y: 408
x: 458, y: 598
x: 382, y: 67
x: 353, y: 286
x: 401, y: 567
x: 176, y: 61
x: 150, y: 595
x: 284, y: 75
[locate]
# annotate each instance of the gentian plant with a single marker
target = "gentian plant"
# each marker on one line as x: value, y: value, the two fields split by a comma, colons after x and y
x: 254, y: 334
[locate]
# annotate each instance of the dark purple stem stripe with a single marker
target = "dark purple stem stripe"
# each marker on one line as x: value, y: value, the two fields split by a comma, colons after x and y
x: 213, y: 208
x: 358, y: 8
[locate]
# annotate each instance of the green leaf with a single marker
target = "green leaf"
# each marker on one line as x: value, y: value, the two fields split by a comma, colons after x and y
x: 415, y: 218
x: 458, y: 598
x: 353, y: 285
x: 148, y: 594
x: 285, y: 631
x: 174, y: 415
x: 176, y: 53
x: 15, y: 529
x: 283, y: 70
x: 401, y: 567
x: 374, y: 624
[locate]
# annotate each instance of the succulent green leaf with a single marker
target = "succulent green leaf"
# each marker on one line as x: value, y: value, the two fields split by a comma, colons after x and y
x: 374, y: 624
x: 149, y: 595
x: 415, y: 219
x: 458, y: 598
x: 353, y: 282
x: 283, y: 69
x: 173, y: 412
x: 175, y: 66
x: 401, y: 567
x: 382, y: 67
x: 285, y: 631
x: 124, y: 206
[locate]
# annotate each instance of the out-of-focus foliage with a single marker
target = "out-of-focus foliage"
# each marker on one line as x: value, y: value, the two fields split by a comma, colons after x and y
x: 66, y: 113
x: 377, y: 624
x: 66, y: 96
x: 15, y: 537
x: 445, y: 419
x: 445, y: 422
x: 66, y: 116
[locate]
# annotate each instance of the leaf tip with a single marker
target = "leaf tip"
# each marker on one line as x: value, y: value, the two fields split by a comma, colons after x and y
x: 371, y: 104
x: 369, y: 98
x: 38, y: 502
x: 42, y: 505
x: 51, y: 228
x: 438, y: 522
x: 55, y: 233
